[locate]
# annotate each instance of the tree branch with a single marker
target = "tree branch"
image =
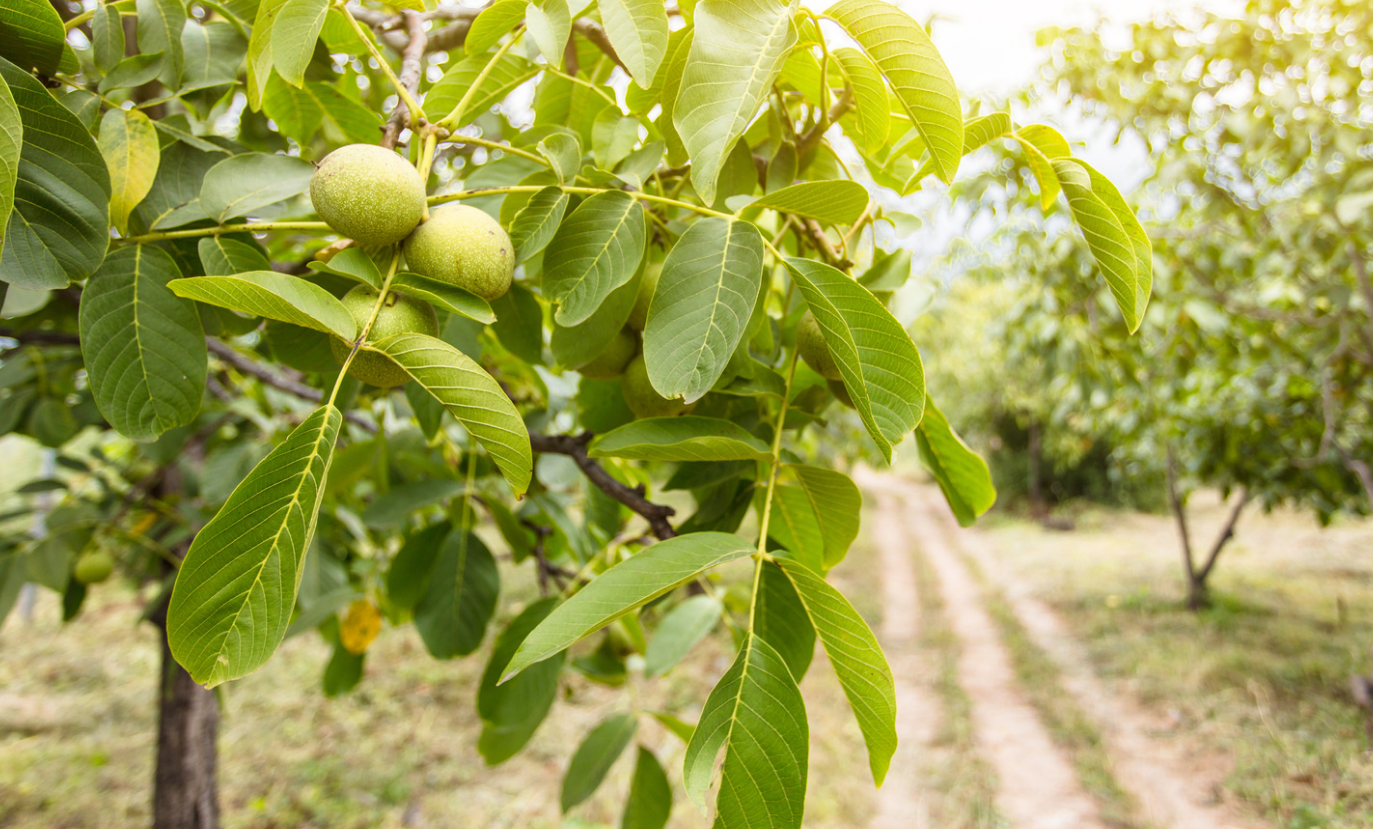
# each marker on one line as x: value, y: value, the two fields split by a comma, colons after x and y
x: 1226, y: 533
x: 594, y: 32
x: 412, y: 61
x: 1175, y: 504
x: 574, y: 446
x: 813, y: 135
x: 230, y: 355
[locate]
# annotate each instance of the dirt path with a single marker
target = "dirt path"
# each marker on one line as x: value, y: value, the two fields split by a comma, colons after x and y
x: 1176, y: 789
x: 1037, y: 787
x: 901, y: 804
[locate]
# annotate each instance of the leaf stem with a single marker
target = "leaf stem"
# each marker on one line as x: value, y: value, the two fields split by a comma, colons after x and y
x: 449, y: 121
x: 416, y: 113
x: 553, y: 70
x: 459, y: 138
x: 244, y: 227
x: 762, y: 554
x: 371, y: 320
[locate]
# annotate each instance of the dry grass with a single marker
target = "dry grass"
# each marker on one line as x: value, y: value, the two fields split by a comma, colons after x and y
x: 77, y: 726
x: 1262, y: 677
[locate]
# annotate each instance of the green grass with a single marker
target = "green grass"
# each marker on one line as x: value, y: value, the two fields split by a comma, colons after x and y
x: 1261, y: 678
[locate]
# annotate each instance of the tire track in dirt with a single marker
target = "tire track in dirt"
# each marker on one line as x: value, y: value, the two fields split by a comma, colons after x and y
x: 901, y: 802
x: 1175, y: 790
x: 1037, y: 787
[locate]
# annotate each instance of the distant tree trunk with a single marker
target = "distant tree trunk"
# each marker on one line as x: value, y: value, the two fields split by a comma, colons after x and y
x: 185, y: 785
x: 1035, y: 453
x: 1198, y: 592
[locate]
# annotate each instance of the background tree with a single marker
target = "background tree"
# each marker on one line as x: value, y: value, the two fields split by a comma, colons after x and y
x: 1251, y: 371
x: 675, y: 210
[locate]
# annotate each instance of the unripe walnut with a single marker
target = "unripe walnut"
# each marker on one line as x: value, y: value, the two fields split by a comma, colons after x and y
x: 369, y: 194
x: 463, y: 246
x: 400, y: 314
x: 644, y: 400
x: 811, y: 345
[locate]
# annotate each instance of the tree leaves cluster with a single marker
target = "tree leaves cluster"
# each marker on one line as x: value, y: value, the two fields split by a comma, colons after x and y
x: 674, y: 180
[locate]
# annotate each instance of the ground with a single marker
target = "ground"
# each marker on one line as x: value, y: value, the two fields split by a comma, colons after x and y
x: 1044, y: 679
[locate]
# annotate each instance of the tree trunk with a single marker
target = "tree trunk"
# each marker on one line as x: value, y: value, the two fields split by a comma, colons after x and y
x: 1035, y: 453
x: 1198, y: 594
x: 185, y: 790
x: 185, y: 784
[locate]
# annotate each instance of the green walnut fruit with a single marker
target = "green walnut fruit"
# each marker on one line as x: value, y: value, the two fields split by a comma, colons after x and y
x: 638, y: 317
x: 463, y: 246
x: 643, y: 400
x: 93, y: 568
x: 841, y: 393
x: 369, y: 194
x: 613, y: 359
x: 811, y: 345
x: 400, y: 315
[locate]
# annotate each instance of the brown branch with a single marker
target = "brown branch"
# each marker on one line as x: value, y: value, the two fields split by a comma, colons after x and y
x: 594, y: 32
x: 40, y: 337
x: 411, y: 62
x: 813, y: 135
x: 574, y: 446
x: 1175, y: 504
x: 230, y: 355
x: 1226, y: 533
x: 387, y: 27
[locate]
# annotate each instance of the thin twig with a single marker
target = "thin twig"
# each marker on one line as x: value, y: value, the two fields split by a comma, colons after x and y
x: 230, y: 355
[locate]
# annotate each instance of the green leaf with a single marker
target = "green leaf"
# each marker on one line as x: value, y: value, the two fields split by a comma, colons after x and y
x: 407, y: 580
x: 579, y: 344
x: 1103, y: 189
x: 736, y: 53
x: 962, y: 475
x: 1113, y: 247
x: 260, y: 50
x: 594, y: 757
x: 679, y: 631
x: 445, y: 295
x: 638, y: 32
x: 596, y: 250
x: 650, y: 796
x: 613, y: 136
x: 494, y: 23
x: 32, y: 35
x: 837, y: 503
x: 107, y: 37
x: 871, y: 118
x: 453, y: 614
x: 159, y: 30
x: 352, y: 262
x: 237, y: 585
x: 512, y: 711
x: 128, y: 142
x: 705, y: 296
x: 60, y: 226
x: 444, y: 96
x: 880, y: 365
x: 243, y: 183
x: 143, y: 346
x: 222, y: 256
x: 273, y: 295
x: 795, y: 527
x: 343, y: 673
x: 688, y: 438
x: 837, y: 202
x: 537, y: 222
x: 1042, y: 146
x: 564, y: 154
x: 669, y: 81
x: 471, y: 396
x: 11, y: 144
x: 627, y: 586
x: 519, y: 323
x: 756, y: 715
x: 301, y: 112
x: 294, y: 33
x: 977, y: 133
x: 550, y: 24
x: 857, y: 660
x: 781, y: 620
x: 918, y: 76
x: 393, y: 507
x: 132, y: 71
